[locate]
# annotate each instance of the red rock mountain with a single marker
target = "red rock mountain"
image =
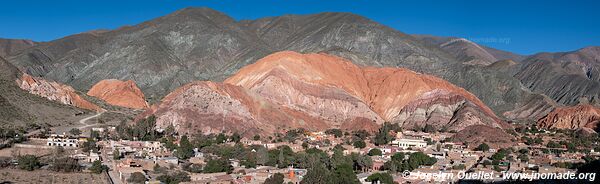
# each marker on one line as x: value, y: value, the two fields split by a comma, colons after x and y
x: 318, y: 91
x: 54, y: 91
x: 119, y: 93
x: 575, y: 117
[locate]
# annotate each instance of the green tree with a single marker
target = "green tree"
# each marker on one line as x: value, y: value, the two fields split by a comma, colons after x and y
x: 276, y: 178
x: 116, y: 154
x: 65, y: 164
x: 497, y: 168
x: 316, y: 172
x: 28, y: 162
x: 459, y: 167
x: 235, y: 137
x: 174, y: 178
x: 137, y: 177
x: 75, y: 131
x: 262, y: 157
x: 499, y: 155
x: 383, y: 135
x: 552, y: 144
x: 343, y: 174
x: 359, y: 144
x: 422, y: 159
x: 523, y: 157
x: 304, y: 145
x: 256, y: 137
x: 218, y: 165
x: 384, y: 178
x: 221, y: 138
x: 361, y: 134
x: 374, y: 152
x: 361, y: 162
x: 335, y: 132
x: 144, y: 129
x: 338, y: 159
x: 524, y: 151
x: 399, y: 156
x: 486, y: 163
x: 97, y: 167
x: 483, y: 147
x: 89, y: 145
x: 168, y: 143
x: 186, y: 149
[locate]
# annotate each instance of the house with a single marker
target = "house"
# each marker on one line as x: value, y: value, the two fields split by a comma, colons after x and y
x: 92, y: 157
x: 409, y: 143
x: 98, y: 129
x: 62, y: 140
x: 249, y: 142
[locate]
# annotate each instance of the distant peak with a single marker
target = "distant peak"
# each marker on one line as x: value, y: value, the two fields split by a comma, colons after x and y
x: 590, y: 48
x: 344, y: 15
x: 199, y: 11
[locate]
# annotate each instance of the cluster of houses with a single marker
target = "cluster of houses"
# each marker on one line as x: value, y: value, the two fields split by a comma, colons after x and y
x: 452, y: 157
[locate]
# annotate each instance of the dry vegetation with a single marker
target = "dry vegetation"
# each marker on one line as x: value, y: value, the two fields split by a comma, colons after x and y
x: 45, y: 176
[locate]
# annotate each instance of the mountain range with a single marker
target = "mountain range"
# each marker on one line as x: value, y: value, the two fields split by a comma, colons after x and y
x: 288, y: 90
x: 175, y: 58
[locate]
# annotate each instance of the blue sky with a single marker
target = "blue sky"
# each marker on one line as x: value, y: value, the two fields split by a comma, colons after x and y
x: 524, y: 27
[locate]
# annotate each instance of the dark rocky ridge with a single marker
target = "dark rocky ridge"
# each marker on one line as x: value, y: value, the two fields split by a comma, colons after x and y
x: 568, y: 77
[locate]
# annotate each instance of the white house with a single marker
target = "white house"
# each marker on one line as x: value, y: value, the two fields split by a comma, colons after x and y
x: 409, y: 143
x: 62, y: 140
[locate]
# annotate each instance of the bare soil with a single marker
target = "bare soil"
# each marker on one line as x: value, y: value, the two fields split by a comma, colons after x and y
x: 45, y: 176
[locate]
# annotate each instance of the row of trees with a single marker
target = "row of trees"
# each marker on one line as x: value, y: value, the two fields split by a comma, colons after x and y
x: 400, y: 163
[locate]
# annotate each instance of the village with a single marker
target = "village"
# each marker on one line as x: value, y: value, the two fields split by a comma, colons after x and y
x: 134, y: 154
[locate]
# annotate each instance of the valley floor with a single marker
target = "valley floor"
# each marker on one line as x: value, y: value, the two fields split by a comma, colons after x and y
x: 45, y: 176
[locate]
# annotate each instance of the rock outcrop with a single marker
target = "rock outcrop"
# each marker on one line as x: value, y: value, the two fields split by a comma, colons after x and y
x: 318, y: 91
x: 575, y: 117
x: 54, y: 91
x: 119, y: 93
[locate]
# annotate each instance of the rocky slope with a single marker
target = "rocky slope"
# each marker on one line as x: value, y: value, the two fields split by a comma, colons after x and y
x: 202, y: 44
x: 575, y: 117
x: 469, y: 52
x: 54, y: 91
x: 119, y: 93
x: 472, y: 136
x: 20, y: 108
x: 318, y: 91
x: 14, y: 46
x: 568, y: 77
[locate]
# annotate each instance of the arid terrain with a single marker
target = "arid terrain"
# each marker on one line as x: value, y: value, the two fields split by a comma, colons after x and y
x: 199, y: 96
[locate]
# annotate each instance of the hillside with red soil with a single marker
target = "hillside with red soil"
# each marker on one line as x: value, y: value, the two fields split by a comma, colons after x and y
x: 575, y: 117
x: 289, y: 90
x: 54, y: 91
x: 119, y: 93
